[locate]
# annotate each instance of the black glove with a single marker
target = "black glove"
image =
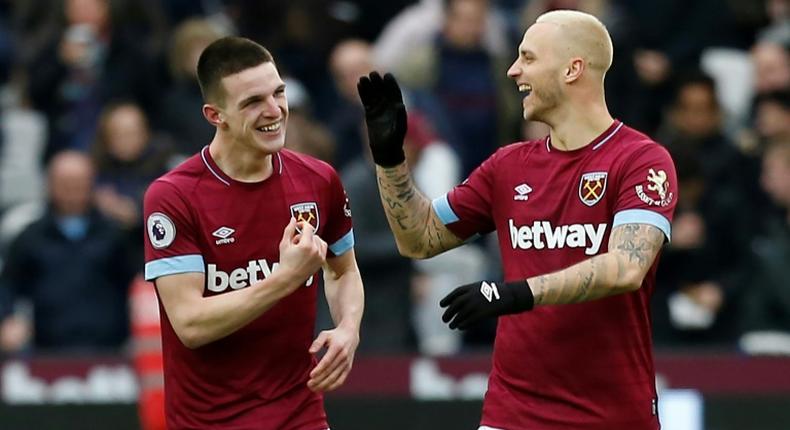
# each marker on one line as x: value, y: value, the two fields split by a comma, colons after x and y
x: 472, y: 302
x: 385, y: 116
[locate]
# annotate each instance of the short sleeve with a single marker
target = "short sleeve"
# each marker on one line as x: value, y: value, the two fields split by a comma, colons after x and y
x: 339, y: 232
x: 648, y: 191
x: 466, y: 209
x: 171, y: 245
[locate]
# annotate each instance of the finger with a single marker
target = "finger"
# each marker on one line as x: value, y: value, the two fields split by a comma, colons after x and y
x: 327, y: 361
x: 363, y: 88
x: 330, y: 374
x: 319, y: 342
x: 307, y: 233
x: 341, y: 379
x: 450, y: 312
x: 456, y: 307
x: 450, y: 298
x: 392, y: 89
x: 322, y: 246
x: 402, y: 119
x: 289, y: 231
x: 332, y: 377
x: 462, y: 315
x: 376, y: 80
x: 471, y: 320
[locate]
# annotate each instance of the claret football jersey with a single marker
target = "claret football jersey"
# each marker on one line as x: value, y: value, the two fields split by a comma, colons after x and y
x: 200, y: 220
x: 578, y: 366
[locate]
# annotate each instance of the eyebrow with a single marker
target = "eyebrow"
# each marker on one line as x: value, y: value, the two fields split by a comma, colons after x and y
x: 526, y: 52
x: 258, y: 97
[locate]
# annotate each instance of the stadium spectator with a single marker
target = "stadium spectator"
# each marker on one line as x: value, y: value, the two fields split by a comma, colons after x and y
x: 128, y: 157
x: 466, y: 80
x: 236, y: 279
x: 766, y: 316
x: 771, y: 67
x: 71, y: 265
x: 772, y: 116
x: 91, y: 60
x: 549, y: 203
x: 306, y: 134
x: 350, y: 60
x: 180, y: 107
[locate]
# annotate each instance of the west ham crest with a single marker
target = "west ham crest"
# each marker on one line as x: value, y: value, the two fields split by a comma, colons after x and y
x: 592, y: 187
x: 306, y: 212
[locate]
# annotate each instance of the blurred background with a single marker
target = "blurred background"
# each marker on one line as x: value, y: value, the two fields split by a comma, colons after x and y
x: 99, y: 97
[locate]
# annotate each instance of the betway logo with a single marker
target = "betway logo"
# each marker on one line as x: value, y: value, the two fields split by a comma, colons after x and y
x: 541, y: 234
x: 219, y: 280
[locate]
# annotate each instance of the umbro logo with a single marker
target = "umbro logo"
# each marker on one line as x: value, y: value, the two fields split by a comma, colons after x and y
x: 522, y: 192
x: 224, y: 235
x: 489, y: 291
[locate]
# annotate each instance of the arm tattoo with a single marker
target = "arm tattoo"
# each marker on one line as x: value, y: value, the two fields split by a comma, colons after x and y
x: 639, y: 242
x: 411, y: 218
x: 632, y: 250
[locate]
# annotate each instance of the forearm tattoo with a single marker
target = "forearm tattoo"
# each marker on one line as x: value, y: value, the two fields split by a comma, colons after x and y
x: 632, y: 250
x: 410, y: 215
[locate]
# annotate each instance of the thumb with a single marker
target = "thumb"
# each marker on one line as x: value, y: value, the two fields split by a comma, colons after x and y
x: 319, y: 342
x: 289, y: 231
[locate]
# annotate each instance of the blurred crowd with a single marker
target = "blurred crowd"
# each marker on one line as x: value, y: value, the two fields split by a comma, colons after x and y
x: 99, y: 97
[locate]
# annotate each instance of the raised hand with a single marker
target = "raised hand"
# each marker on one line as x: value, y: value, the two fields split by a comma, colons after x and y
x: 385, y: 116
x: 301, y: 254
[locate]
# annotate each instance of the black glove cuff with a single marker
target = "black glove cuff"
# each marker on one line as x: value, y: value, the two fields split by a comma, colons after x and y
x: 388, y: 156
x: 523, y: 299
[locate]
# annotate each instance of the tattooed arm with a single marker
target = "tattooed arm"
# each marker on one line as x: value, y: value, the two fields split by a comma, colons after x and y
x: 632, y: 250
x: 418, y: 231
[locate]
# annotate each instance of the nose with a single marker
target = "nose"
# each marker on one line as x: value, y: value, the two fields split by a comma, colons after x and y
x: 513, y: 71
x: 271, y: 108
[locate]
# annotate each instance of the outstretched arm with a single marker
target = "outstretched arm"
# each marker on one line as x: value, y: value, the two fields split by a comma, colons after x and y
x: 632, y: 250
x: 418, y: 231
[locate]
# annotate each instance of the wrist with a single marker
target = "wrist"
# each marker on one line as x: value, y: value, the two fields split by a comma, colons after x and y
x: 389, y: 157
x: 523, y: 299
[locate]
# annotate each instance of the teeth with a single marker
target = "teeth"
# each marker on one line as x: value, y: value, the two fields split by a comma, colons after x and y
x: 270, y: 127
x: 523, y: 88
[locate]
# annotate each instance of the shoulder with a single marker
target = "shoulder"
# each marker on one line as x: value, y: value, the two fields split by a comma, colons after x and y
x: 182, y: 179
x: 307, y: 166
x: 634, y: 141
x: 521, y: 147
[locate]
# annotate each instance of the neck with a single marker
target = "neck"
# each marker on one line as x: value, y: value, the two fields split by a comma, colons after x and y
x: 578, y: 124
x: 239, y: 162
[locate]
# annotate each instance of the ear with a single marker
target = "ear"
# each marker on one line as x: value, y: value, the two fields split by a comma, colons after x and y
x: 574, y: 70
x: 213, y: 115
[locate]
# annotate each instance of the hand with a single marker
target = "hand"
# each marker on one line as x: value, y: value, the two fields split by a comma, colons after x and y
x: 332, y: 370
x: 652, y: 66
x: 708, y: 294
x: 301, y: 254
x: 15, y: 333
x: 472, y: 302
x: 385, y: 116
x: 688, y: 230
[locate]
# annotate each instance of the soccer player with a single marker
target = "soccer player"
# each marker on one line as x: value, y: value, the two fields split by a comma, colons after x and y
x: 235, y: 236
x: 580, y: 216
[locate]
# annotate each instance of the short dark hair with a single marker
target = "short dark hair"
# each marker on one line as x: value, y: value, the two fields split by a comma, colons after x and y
x: 694, y: 77
x: 224, y: 57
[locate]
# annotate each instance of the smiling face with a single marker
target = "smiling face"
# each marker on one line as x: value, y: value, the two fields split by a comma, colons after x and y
x: 537, y: 73
x: 562, y: 60
x: 254, y: 109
